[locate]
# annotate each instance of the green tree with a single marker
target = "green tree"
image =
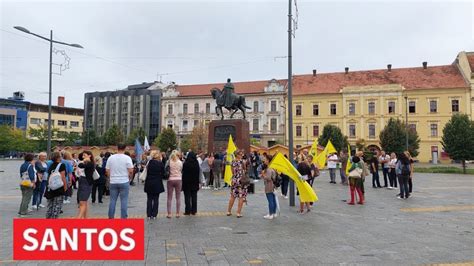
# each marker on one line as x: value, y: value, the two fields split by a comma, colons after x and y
x: 199, y: 137
x: 185, y: 144
x: 90, y: 138
x: 333, y: 133
x: 393, y: 138
x: 166, y: 140
x: 68, y: 138
x: 13, y: 139
x: 113, y: 135
x: 458, y: 138
x: 41, y: 135
x: 136, y: 133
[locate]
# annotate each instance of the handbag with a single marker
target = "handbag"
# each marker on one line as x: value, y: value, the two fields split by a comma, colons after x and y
x: 25, y: 178
x: 356, y: 173
x: 55, y: 180
x: 143, y: 174
x: 95, y: 175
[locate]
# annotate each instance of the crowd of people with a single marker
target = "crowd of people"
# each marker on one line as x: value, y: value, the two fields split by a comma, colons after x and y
x: 112, y: 175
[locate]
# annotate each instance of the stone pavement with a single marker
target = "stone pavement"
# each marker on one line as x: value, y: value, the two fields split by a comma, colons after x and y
x: 435, y: 226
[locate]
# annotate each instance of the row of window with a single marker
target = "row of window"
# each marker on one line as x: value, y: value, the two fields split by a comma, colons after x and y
x: 37, y: 121
x: 371, y: 107
x: 273, y: 107
x: 256, y: 125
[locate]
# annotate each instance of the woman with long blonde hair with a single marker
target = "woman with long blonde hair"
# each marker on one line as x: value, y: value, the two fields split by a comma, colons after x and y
x: 174, y: 182
x: 155, y: 170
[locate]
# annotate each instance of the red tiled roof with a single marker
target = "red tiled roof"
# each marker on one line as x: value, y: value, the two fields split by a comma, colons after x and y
x: 247, y: 87
x: 470, y: 59
x: 411, y: 78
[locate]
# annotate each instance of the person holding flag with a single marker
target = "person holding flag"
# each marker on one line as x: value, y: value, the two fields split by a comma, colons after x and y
x: 239, y: 182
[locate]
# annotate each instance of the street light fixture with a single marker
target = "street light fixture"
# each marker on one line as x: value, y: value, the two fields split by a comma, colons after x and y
x: 51, y: 41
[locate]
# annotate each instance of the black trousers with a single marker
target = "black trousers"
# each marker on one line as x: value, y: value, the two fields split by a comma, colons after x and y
x: 410, y: 184
x: 152, y: 201
x: 393, y: 177
x: 100, y: 188
x: 285, y: 180
x: 190, y: 201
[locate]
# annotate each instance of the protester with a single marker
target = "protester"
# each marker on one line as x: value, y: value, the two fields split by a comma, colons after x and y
x: 28, y: 183
x: 98, y: 187
x: 356, y: 180
x: 384, y: 160
x: 255, y: 161
x: 55, y: 197
x: 174, y: 182
x: 238, y: 187
x: 206, y: 170
x: 69, y: 162
x: 314, y: 169
x: 85, y: 182
x: 343, y: 157
x: 269, y: 175
x: 119, y: 169
x: 410, y: 179
x: 392, y: 175
x: 41, y: 168
x: 75, y: 158
x: 154, y: 183
x: 374, y: 169
x: 332, y: 165
x: 190, y: 185
x: 403, y: 169
x: 107, y: 179
x: 217, y: 171
x: 305, y: 170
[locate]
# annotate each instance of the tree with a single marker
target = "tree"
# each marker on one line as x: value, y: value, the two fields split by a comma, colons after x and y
x: 113, y: 135
x: 90, y: 138
x: 13, y: 139
x: 199, y: 137
x: 136, y: 133
x: 185, y: 144
x: 41, y: 134
x: 69, y: 138
x: 393, y: 138
x: 458, y: 138
x: 166, y: 140
x: 333, y: 133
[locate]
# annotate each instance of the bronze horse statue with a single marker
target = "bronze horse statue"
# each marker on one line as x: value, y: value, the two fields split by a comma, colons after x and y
x: 238, y: 103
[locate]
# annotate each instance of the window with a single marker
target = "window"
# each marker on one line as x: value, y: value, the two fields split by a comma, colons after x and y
x: 46, y: 121
x: 352, y: 108
x: 433, y: 106
x: 196, y: 123
x: 62, y: 123
x: 412, y: 127
x: 315, y: 109
x: 371, y: 131
x: 76, y: 123
x: 273, y: 106
x: 208, y: 108
x: 455, y: 105
x: 391, y: 107
x: 371, y: 108
x: 298, y: 131
x: 315, y: 130
x: 170, y: 109
x: 298, y: 110
x: 332, y: 108
x: 352, y: 131
x: 255, y: 106
x: 185, y: 125
x: 196, y: 108
x: 185, y: 108
x: 412, y: 107
x: 273, y: 124
x: 255, y: 125
x: 434, y: 130
x: 35, y: 121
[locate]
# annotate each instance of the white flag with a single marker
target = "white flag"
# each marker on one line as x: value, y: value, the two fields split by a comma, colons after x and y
x: 146, y: 145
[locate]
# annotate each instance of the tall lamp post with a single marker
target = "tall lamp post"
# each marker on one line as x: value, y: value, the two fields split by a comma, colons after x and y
x: 51, y: 41
x: 406, y: 122
x: 290, y: 105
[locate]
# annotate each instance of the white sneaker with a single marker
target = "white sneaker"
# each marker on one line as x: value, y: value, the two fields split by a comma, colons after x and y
x: 286, y: 197
x: 399, y: 197
x: 41, y: 206
x: 275, y: 215
x: 34, y: 207
x: 389, y: 187
x: 268, y: 217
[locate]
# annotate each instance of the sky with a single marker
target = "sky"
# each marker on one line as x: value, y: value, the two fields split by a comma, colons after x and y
x: 195, y: 42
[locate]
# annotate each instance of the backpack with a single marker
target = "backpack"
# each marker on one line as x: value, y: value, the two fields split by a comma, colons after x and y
x: 405, y: 169
x: 25, y: 178
x: 276, y: 178
x: 55, y: 181
x: 167, y: 170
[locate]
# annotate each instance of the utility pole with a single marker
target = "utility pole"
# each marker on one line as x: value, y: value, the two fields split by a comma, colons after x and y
x: 290, y: 105
x: 406, y: 122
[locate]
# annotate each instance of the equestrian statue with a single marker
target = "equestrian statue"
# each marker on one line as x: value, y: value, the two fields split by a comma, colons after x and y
x: 228, y: 99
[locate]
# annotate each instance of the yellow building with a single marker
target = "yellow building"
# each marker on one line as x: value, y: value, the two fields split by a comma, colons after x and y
x: 361, y: 102
x: 65, y: 119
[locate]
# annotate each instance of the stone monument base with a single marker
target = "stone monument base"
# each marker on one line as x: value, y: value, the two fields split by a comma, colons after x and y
x: 219, y: 131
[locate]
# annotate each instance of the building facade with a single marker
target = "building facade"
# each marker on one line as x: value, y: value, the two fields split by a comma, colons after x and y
x: 187, y: 106
x: 136, y: 106
x: 361, y: 102
x: 14, y: 111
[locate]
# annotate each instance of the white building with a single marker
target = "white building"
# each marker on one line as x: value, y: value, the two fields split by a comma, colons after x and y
x: 187, y: 106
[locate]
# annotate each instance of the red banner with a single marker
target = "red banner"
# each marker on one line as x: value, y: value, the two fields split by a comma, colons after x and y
x: 78, y: 239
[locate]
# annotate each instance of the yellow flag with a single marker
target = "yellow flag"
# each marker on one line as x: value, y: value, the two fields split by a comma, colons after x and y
x: 314, y: 148
x: 282, y: 165
x: 330, y: 148
x: 231, y: 148
x: 321, y: 159
x: 349, y: 162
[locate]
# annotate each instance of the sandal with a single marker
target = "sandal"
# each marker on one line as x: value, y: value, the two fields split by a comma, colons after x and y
x: 229, y: 214
x: 177, y: 215
x: 239, y: 215
x: 168, y: 216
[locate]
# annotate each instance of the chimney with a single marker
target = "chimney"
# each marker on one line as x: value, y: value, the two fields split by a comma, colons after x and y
x: 61, y: 101
x: 425, y: 65
x: 314, y: 72
x: 347, y: 70
x: 389, y: 67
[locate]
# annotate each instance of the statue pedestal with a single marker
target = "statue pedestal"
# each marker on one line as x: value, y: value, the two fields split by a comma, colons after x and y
x: 219, y: 131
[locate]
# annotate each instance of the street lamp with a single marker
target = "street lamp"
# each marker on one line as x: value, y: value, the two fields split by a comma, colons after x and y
x: 290, y: 103
x: 406, y: 122
x: 51, y: 41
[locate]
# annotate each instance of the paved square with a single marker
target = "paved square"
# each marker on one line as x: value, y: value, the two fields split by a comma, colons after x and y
x: 435, y: 226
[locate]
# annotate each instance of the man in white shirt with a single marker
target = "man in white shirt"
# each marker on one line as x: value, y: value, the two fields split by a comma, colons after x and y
x: 119, y: 169
x: 332, y: 165
x: 384, y: 159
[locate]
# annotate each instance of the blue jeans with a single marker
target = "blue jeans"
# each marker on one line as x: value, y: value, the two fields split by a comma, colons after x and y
x: 332, y: 174
x: 375, y: 179
x: 39, y: 192
x: 385, y: 176
x: 271, y: 203
x: 117, y: 190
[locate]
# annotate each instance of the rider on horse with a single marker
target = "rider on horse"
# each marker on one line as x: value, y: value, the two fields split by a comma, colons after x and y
x: 226, y: 98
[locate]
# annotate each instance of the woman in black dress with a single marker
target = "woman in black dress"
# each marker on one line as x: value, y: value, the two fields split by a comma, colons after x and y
x: 85, y: 182
x: 154, y: 183
x: 190, y: 185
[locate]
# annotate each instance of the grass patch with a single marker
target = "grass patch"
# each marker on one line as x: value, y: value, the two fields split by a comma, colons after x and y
x: 443, y: 170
